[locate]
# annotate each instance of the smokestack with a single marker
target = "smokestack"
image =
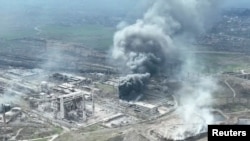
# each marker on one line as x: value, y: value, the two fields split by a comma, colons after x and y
x: 62, y: 108
x: 84, y: 104
x: 4, y: 121
x: 93, y: 102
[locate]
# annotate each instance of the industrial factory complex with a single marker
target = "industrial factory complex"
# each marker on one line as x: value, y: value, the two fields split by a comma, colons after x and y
x: 163, y: 78
x: 72, y: 101
x: 50, y: 103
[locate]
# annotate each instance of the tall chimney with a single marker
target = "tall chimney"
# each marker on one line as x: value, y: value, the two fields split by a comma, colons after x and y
x: 4, y: 121
x: 93, y: 103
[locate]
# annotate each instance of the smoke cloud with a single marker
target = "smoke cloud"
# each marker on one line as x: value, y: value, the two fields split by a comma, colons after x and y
x: 146, y: 45
x: 132, y: 85
x: 161, y: 36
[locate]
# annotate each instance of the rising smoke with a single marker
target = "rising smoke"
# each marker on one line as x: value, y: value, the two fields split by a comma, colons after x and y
x: 132, y: 85
x: 145, y: 45
x: 163, y: 35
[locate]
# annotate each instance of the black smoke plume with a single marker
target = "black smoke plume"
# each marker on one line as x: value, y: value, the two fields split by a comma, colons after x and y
x: 132, y: 86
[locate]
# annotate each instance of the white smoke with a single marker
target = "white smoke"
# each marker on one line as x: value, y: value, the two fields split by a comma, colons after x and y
x: 164, y: 33
x: 195, y: 101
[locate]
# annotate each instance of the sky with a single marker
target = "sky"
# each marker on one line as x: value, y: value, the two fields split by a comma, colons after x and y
x: 89, y: 7
x: 49, y: 11
x: 236, y: 4
x: 21, y: 11
x: 106, y: 6
x: 83, y: 5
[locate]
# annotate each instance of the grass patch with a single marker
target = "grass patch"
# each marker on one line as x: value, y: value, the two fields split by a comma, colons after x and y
x: 106, y: 88
x: 58, y: 130
x: 85, y: 136
x: 214, y: 63
x: 42, y: 140
x: 14, y: 33
x: 96, y: 36
x: 92, y: 128
x: 116, y: 138
x: 66, y: 137
x: 237, y: 108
